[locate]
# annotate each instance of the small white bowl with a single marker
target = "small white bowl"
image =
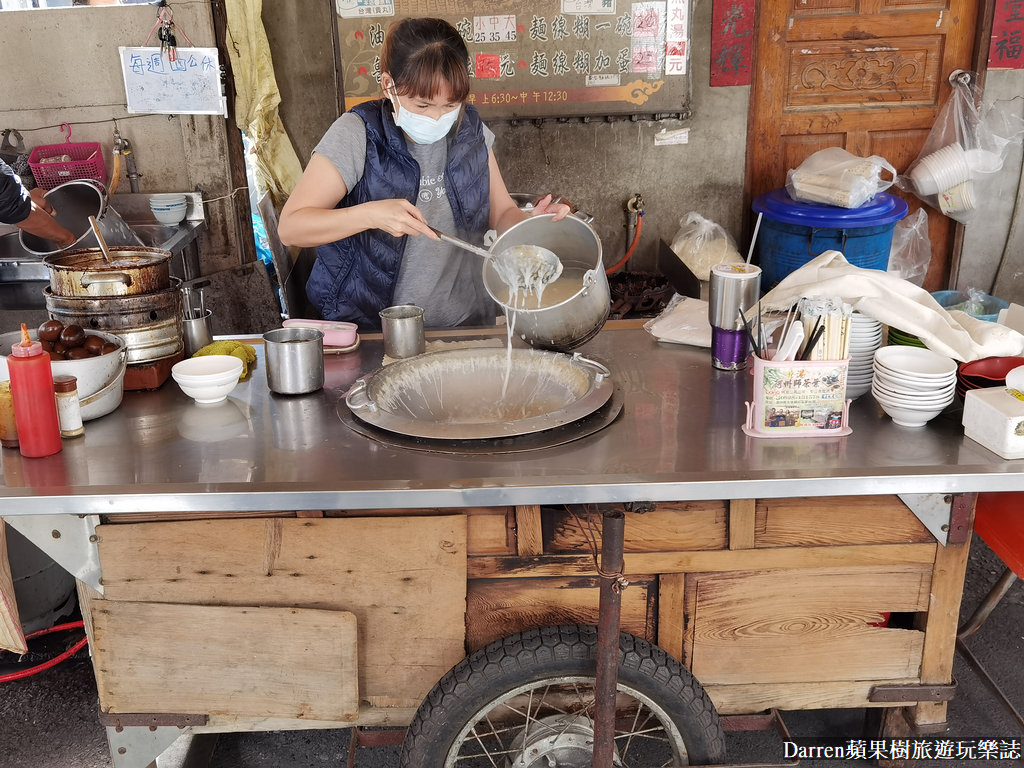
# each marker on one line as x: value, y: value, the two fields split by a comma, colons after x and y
x: 912, y: 401
x: 912, y: 385
x: 171, y: 216
x: 915, y: 361
x: 167, y: 198
x: 906, y: 416
x: 207, y: 379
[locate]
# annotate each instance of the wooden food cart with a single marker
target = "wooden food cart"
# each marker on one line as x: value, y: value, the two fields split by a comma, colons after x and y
x: 266, y: 565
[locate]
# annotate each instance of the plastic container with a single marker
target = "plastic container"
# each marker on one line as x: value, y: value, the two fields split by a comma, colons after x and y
x: 987, y: 309
x: 991, y: 417
x: 798, y: 398
x: 35, y: 408
x: 793, y: 233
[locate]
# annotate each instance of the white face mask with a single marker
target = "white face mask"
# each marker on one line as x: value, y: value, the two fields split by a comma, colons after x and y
x: 420, y: 128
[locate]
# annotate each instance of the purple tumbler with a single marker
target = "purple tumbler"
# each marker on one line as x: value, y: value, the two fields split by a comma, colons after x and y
x: 734, y: 288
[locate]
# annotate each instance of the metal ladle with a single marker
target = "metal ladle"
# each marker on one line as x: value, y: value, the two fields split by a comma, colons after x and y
x: 547, y: 265
x: 99, y: 238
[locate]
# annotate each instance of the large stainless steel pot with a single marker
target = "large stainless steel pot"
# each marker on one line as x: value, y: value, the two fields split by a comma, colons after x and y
x: 74, y: 203
x: 149, y: 324
x: 132, y: 270
x: 574, y: 320
x: 476, y: 393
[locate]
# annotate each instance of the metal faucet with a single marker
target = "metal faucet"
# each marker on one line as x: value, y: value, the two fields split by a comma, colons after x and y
x: 123, y: 147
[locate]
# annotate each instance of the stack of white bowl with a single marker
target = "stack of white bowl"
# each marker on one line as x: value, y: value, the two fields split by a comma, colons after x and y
x: 913, y: 385
x: 865, y: 338
x: 168, y: 209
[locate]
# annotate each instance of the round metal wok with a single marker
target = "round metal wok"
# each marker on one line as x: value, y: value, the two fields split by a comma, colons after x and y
x: 461, y: 394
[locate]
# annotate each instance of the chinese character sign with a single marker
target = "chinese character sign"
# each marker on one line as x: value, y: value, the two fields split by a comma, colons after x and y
x: 732, y: 42
x: 154, y: 84
x: 542, y: 58
x: 1007, y: 35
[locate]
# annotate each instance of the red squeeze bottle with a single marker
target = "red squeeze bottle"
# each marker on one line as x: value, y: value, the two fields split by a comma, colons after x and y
x: 35, y: 407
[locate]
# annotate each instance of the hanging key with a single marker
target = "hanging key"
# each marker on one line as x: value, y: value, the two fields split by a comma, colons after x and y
x: 172, y: 46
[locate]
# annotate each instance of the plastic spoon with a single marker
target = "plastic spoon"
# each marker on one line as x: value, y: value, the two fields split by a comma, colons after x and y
x: 540, y: 263
x: 99, y: 238
x: 790, y: 343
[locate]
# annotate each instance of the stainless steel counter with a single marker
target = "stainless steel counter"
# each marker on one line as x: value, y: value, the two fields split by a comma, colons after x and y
x: 678, y: 438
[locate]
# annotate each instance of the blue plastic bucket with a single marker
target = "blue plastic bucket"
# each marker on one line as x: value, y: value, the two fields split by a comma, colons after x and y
x: 793, y: 233
x: 985, y: 308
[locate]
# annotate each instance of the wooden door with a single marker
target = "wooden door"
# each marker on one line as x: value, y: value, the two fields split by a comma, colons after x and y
x: 866, y: 75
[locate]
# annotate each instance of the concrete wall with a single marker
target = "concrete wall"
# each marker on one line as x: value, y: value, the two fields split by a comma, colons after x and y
x: 62, y: 65
x: 599, y: 165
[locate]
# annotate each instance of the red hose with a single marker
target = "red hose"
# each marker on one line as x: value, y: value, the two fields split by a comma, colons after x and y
x: 50, y: 662
x: 636, y: 239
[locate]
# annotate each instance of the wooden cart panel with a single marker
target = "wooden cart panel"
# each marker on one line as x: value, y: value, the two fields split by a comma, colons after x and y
x: 254, y: 662
x: 404, y: 578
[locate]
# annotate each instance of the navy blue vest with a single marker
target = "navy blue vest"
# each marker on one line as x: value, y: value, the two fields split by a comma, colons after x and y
x: 353, y: 279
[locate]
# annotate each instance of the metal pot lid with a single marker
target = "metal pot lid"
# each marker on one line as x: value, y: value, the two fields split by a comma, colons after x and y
x: 477, y: 393
x: 121, y: 257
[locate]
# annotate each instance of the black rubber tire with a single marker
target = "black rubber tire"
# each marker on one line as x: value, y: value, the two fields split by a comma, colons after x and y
x: 552, y: 652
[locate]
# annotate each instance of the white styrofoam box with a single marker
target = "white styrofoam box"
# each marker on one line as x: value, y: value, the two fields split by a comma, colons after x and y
x: 995, y: 418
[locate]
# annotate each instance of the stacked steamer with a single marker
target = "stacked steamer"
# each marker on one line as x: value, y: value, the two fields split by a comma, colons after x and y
x: 865, y: 338
x: 132, y: 295
x: 913, y: 385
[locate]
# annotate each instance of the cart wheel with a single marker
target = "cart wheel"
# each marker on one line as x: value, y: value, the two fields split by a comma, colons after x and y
x: 526, y: 701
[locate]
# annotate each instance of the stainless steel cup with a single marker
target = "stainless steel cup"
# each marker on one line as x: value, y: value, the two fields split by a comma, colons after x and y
x: 734, y: 288
x: 196, y: 332
x: 295, y: 360
x: 402, y: 326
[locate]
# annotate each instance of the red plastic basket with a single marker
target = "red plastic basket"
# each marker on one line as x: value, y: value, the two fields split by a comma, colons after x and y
x: 86, y: 162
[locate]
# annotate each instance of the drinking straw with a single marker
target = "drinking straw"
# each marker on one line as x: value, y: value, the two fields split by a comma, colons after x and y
x: 753, y: 238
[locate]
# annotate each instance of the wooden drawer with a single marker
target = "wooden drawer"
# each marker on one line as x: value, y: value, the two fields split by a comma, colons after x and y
x: 803, y: 625
x: 669, y: 527
x: 836, y: 520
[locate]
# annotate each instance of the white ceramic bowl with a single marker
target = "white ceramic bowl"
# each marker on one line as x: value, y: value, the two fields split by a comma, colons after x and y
x: 912, y: 385
x: 100, y: 378
x: 917, y: 361
x: 909, y: 417
x: 207, y: 379
x: 167, y: 198
x: 169, y: 217
x: 913, y: 400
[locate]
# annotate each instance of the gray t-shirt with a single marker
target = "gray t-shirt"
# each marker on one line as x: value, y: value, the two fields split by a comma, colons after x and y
x: 446, y: 281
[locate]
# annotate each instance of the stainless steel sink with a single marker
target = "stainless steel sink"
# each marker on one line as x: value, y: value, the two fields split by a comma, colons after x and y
x: 23, y: 275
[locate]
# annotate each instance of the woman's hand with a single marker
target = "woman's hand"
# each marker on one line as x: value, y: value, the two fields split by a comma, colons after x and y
x: 545, y: 205
x: 397, y: 217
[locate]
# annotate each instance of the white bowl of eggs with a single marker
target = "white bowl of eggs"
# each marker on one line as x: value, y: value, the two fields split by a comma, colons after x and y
x: 100, y: 371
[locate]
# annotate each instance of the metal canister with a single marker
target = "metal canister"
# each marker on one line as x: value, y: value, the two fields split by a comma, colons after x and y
x: 734, y: 289
x: 295, y: 360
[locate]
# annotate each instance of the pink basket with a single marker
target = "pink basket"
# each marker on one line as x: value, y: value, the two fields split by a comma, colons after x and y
x: 86, y: 162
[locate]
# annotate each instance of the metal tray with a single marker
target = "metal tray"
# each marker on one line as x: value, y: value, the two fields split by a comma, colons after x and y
x: 462, y: 394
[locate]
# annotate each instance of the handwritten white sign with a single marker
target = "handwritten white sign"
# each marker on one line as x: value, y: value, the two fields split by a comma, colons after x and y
x: 188, y: 85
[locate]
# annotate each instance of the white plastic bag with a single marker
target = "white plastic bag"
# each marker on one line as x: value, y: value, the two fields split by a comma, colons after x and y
x: 701, y: 244
x: 836, y: 177
x: 911, y: 250
x: 963, y: 153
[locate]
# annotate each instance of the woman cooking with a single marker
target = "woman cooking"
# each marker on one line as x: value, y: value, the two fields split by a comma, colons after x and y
x: 388, y: 167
